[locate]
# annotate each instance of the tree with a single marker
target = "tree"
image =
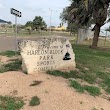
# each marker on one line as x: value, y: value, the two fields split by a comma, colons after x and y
x: 72, y: 28
x: 99, y: 16
x: 39, y: 23
x: 73, y: 25
x: 64, y: 15
x: 29, y: 24
x: 81, y: 12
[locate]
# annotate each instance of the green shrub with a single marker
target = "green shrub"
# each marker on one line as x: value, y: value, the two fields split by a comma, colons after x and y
x: 10, y: 103
x: 34, y: 101
x: 77, y: 86
x: 92, y: 90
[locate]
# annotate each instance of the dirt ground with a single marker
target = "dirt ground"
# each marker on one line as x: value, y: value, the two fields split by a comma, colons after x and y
x: 54, y: 92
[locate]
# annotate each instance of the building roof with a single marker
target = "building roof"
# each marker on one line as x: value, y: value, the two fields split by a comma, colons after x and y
x: 61, y: 28
x: 3, y: 21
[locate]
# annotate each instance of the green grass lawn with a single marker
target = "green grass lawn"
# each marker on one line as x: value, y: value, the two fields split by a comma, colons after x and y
x: 94, y: 59
x: 93, y: 66
x: 25, y: 33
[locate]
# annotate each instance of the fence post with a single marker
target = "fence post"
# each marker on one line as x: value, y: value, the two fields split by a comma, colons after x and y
x: 105, y: 38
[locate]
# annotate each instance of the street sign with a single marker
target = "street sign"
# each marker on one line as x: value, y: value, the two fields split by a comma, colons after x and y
x: 16, y: 12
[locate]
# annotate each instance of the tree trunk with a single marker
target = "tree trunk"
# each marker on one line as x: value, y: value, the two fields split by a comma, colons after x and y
x: 96, y: 36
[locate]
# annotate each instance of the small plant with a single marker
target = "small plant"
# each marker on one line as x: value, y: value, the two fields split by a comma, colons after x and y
x: 107, y: 89
x: 14, y: 92
x: 77, y: 86
x: 81, y: 102
x: 34, y: 101
x: 107, y: 81
x: 92, y: 90
x: 46, y: 92
x: 10, y: 103
x: 35, y: 83
x: 9, y: 53
x: 94, y: 109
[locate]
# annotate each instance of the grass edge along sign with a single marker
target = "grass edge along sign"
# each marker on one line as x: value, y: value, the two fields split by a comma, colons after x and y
x: 16, y: 12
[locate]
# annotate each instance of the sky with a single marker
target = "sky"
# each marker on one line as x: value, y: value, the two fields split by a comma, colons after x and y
x: 32, y: 8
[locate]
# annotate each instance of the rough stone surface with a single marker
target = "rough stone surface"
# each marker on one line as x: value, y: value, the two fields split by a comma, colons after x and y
x: 45, y: 54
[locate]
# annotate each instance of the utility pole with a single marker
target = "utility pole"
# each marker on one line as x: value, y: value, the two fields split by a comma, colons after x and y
x: 51, y: 13
x: 15, y: 34
x: 50, y: 19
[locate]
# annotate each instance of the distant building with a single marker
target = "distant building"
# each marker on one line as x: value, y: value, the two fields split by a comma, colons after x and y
x: 62, y: 28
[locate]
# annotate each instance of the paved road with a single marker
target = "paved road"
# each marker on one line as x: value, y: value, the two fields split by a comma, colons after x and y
x: 8, y: 43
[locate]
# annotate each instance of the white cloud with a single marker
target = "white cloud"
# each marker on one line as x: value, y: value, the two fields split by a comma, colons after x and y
x: 1, y: 5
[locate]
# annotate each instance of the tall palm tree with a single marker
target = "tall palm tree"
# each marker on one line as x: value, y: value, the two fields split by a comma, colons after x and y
x: 100, y: 8
x: 80, y: 11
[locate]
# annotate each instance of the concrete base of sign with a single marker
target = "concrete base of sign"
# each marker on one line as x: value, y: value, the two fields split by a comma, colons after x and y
x: 54, y: 53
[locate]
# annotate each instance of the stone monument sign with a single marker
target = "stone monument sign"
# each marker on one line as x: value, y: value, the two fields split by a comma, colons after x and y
x: 45, y: 54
